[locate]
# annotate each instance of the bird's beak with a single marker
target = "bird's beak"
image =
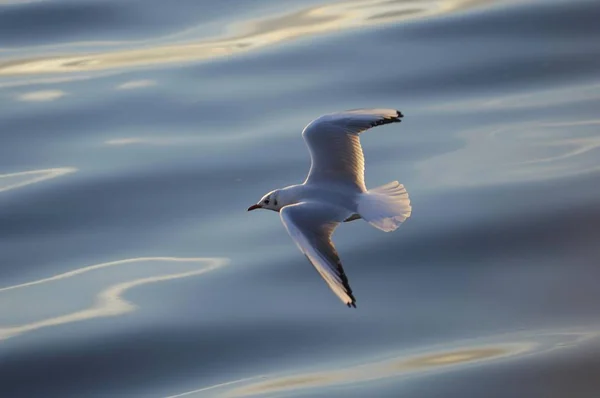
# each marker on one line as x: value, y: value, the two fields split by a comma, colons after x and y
x: 254, y: 207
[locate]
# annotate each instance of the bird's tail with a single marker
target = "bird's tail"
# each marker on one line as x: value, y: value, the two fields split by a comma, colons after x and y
x: 385, y: 207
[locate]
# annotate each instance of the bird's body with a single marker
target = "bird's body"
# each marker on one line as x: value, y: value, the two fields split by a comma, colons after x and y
x: 335, y: 191
x: 335, y: 196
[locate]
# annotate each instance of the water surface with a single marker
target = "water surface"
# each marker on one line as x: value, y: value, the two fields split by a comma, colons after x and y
x: 135, y: 134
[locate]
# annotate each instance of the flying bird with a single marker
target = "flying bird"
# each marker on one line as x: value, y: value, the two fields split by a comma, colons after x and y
x: 335, y: 192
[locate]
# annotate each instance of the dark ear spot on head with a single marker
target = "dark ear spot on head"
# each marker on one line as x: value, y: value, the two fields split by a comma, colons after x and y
x: 275, y: 202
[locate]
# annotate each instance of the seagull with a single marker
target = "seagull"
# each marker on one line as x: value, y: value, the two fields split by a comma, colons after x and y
x: 334, y: 192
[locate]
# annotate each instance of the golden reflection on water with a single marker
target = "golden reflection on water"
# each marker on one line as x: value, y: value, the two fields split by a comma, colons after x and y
x: 245, y: 36
x: 23, y: 178
x: 450, y: 358
x: 41, y: 96
x: 433, y: 359
x: 109, y: 300
x: 134, y: 84
x: 380, y: 370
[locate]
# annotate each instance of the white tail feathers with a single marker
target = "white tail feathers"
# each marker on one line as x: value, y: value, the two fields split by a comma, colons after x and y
x: 385, y: 207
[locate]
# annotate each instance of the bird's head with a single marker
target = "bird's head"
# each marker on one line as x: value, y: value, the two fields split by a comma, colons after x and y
x: 271, y: 201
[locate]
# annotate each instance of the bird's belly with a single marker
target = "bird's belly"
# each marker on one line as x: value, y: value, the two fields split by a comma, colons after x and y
x: 345, y: 200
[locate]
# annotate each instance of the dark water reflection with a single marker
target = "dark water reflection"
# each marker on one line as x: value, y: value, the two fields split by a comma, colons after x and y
x: 134, y: 135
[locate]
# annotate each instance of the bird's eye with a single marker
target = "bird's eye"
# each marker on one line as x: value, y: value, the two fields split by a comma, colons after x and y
x: 266, y: 201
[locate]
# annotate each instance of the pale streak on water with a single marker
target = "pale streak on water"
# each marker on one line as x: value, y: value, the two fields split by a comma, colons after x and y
x: 23, y: 178
x: 107, y: 302
x: 135, y: 134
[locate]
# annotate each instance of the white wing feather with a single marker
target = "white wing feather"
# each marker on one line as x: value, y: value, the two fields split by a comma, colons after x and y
x: 310, y: 224
x: 334, y: 146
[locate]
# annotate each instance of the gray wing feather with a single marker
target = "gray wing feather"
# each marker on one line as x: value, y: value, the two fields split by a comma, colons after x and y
x: 311, y: 225
x: 334, y: 145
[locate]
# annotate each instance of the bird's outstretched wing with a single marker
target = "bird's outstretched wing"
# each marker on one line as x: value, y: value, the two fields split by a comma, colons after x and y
x: 310, y: 224
x: 334, y: 146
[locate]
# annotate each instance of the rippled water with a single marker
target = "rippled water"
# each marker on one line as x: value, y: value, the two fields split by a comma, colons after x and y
x: 135, y: 134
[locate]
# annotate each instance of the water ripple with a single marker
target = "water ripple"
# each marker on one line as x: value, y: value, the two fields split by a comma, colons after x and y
x: 253, y: 35
x: 109, y: 301
x: 445, y: 357
x: 24, y: 178
x: 518, y: 152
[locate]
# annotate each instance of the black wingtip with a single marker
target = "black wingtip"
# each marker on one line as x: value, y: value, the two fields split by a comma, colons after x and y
x: 389, y: 119
x: 352, y: 304
x: 398, y: 117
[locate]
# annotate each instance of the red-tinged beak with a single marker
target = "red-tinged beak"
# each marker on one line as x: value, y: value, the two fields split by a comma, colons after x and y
x: 254, y: 207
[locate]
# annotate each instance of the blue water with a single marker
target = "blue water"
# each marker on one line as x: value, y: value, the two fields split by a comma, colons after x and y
x: 134, y: 135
